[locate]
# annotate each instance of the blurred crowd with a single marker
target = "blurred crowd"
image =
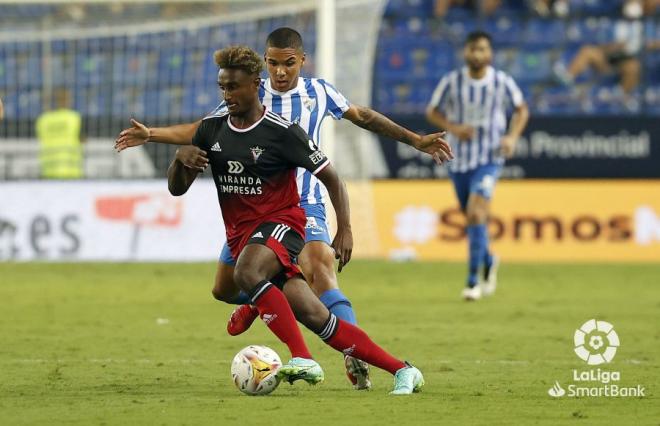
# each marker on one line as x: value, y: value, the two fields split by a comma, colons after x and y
x: 579, y: 56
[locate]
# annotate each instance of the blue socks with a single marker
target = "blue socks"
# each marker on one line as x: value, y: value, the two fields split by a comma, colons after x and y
x: 339, y: 305
x: 478, y: 243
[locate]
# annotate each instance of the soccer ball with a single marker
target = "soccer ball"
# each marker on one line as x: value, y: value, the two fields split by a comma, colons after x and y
x: 254, y: 370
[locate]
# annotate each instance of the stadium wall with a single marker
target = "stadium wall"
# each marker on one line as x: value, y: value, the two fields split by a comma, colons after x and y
x: 556, y: 147
x: 126, y: 220
x: 137, y: 220
x: 532, y: 220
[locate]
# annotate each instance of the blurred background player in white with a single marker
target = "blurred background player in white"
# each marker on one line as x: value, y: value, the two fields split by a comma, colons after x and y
x: 471, y: 104
x: 306, y: 101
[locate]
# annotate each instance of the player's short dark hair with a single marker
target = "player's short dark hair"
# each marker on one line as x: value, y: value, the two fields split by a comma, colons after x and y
x: 478, y: 35
x: 285, y: 37
x: 239, y: 57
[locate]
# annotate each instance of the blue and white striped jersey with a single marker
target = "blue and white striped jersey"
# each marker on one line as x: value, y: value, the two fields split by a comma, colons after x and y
x: 481, y: 104
x: 307, y: 104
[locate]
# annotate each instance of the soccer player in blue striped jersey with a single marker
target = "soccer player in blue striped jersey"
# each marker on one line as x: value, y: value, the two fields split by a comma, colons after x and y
x: 306, y: 101
x: 471, y: 103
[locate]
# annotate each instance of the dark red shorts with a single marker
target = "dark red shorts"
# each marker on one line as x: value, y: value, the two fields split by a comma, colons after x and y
x: 285, y: 242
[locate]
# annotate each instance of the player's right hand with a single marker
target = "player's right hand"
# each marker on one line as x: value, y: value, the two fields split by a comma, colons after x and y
x: 343, y: 246
x: 137, y: 134
x: 192, y: 157
x: 463, y: 132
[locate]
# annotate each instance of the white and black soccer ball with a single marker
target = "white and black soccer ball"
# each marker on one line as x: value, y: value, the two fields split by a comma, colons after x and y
x: 254, y: 370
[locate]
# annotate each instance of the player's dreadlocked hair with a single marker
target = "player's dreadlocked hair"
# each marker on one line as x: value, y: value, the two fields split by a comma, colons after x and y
x: 239, y: 57
x: 285, y: 37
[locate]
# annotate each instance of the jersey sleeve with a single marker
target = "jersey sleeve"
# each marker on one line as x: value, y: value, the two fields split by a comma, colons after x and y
x: 337, y: 104
x: 513, y: 92
x: 201, y: 135
x: 439, y: 98
x: 301, y: 151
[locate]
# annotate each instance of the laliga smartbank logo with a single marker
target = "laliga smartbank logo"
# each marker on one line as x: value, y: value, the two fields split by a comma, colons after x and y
x: 596, y: 343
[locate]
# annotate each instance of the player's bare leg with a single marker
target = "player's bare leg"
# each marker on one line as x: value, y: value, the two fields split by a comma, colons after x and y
x: 317, y: 262
x: 348, y: 338
x: 477, y: 213
x: 224, y: 287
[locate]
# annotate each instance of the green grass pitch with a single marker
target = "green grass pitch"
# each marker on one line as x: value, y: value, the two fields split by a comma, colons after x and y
x: 81, y: 344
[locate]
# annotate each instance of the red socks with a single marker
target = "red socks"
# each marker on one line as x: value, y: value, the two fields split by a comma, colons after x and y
x: 354, y: 342
x: 275, y: 311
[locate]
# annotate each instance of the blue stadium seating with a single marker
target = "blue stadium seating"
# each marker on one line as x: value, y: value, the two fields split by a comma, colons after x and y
x: 172, y: 72
x: 544, y: 33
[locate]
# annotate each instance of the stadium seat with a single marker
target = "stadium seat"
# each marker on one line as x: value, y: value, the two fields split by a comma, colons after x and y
x: 172, y: 65
x: 651, y: 70
x: 608, y: 99
x: 590, y: 30
x: 595, y: 7
x: 531, y: 65
x: 94, y: 101
x: 91, y: 69
x: 507, y: 30
x: 408, y: 8
x: 544, y: 33
x: 8, y: 71
x: 559, y: 101
x: 652, y: 99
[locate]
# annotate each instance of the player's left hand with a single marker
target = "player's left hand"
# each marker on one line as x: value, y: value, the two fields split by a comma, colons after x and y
x: 137, y: 134
x: 436, y: 146
x: 508, y: 146
x: 343, y: 246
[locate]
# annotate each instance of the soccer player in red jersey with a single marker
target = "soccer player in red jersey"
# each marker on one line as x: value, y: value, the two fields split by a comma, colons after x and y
x: 306, y: 101
x: 253, y: 155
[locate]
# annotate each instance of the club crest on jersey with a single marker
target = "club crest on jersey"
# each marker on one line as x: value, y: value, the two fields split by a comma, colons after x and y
x: 256, y: 152
x: 309, y: 103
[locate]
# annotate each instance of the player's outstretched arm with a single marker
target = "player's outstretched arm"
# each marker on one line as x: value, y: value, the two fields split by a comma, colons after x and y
x: 139, y: 134
x: 343, y: 241
x: 180, y: 177
x: 371, y: 120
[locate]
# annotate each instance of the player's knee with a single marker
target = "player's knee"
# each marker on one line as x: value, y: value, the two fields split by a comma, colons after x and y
x: 224, y: 288
x: 476, y: 215
x: 246, y: 277
x: 319, y: 270
x: 222, y: 295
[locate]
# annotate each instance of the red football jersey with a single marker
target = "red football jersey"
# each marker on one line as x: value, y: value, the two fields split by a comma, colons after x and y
x: 254, y: 170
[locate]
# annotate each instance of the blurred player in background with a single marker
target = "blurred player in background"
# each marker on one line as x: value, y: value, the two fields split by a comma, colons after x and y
x: 253, y: 155
x: 471, y: 104
x: 2, y: 110
x: 306, y: 101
